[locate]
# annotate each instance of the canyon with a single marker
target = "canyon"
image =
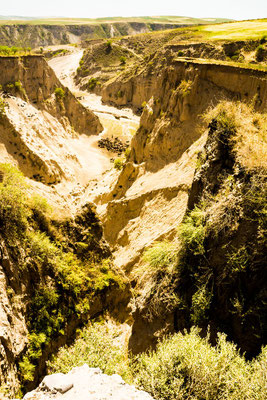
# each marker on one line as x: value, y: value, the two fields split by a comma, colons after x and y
x: 53, y: 117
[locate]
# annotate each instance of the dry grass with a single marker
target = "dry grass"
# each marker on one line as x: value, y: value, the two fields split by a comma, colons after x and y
x: 249, y: 130
x: 156, y: 279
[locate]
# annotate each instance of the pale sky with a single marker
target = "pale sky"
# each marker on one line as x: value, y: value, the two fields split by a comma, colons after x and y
x: 236, y: 9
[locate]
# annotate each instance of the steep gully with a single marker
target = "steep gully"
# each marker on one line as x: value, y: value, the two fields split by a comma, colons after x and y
x: 121, y: 123
x: 148, y: 199
x: 55, y: 144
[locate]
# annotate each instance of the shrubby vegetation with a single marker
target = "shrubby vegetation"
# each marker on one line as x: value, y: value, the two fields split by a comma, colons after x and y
x: 98, y: 345
x: 64, y: 283
x: 92, y: 83
x: 14, y: 210
x: 185, y: 87
x: 184, y: 366
x: 260, y: 53
x: 157, y: 279
x: 60, y: 93
x: 2, y: 106
x: 118, y: 163
x: 13, y: 51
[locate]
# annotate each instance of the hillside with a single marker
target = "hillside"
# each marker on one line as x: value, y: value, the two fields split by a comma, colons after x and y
x: 240, y: 44
x: 133, y: 215
x: 82, y: 21
x: 47, y: 32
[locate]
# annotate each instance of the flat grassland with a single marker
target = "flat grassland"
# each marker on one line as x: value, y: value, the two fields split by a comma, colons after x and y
x: 235, y: 30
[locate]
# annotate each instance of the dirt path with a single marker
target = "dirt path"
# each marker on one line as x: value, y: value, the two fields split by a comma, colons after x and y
x: 65, y: 66
x: 94, y: 169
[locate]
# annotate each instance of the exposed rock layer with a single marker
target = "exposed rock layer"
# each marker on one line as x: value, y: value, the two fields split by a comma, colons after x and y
x: 82, y: 382
x: 36, y: 119
x: 164, y: 149
x: 47, y: 35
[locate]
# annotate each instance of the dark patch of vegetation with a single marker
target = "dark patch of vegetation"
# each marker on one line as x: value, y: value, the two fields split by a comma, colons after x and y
x: 92, y: 83
x: 260, y: 53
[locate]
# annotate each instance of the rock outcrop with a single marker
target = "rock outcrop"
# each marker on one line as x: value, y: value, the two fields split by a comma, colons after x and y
x: 82, y: 382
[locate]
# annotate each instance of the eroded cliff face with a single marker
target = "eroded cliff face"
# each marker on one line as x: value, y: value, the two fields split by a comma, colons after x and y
x: 36, y: 121
x: 47, y: 35
x: 142, y: 204
x: 150, y: 197
x: 40, y: 307
x: 13, y: 337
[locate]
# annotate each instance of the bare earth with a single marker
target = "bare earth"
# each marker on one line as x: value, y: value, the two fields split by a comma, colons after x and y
x: 94, y: 163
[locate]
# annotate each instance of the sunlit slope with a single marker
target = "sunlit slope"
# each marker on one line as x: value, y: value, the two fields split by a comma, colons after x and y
x: 236, y: 30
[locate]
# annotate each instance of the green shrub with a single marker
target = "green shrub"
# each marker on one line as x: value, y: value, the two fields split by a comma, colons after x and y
x: 186, y: 366
x: 157, y: 280
x: 14, y: 210
x: 98, y: 346
x: 119, y: 94
x: 118, y: 163
x: 180, y: 53
x: 2, y: 107
x: 183, y: 366
x: 123, y: 60
x: 60, y: 93
x: 10, y: 86
x: 263, y: 39
x: 160, y: 255
x: 185, y: 87
x: 200, y: 305
x: 127, y: 153
x: 18, y: 86
x: 237, y: 260
x: 26, y: 369
x: 11, y: 51
x: 109, y: 44
x: 192, y: 231
x: 92, y: 83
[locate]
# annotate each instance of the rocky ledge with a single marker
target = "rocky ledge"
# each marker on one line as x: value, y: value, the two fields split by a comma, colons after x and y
x: 85, y: 383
